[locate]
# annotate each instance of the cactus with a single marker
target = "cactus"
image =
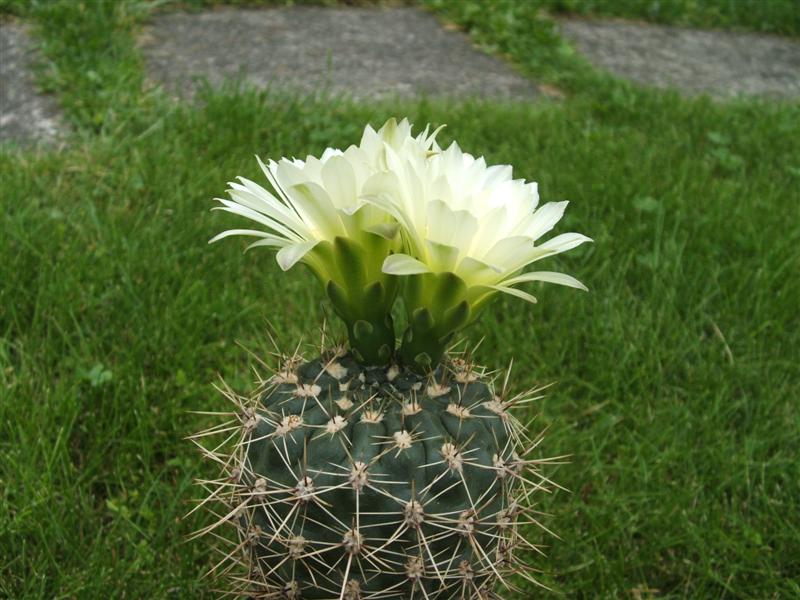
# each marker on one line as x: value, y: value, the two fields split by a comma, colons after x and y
x: 378, y: 471
x: 354, y: 482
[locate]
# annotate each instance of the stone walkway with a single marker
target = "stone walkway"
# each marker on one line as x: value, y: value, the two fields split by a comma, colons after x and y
x: 398, y: 52
x: 25, y: 115
x: 719, y: 63
x: 363, y: 52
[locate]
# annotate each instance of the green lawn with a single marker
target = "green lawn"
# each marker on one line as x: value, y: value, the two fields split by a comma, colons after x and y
x: 774, y: 16
x: 677, y: 374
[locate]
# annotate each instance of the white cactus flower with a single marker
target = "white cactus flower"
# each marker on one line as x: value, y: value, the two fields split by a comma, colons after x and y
x: 317, y: 214
x: 467, y: 231
x: 460, y: 216
x: 319, y: 199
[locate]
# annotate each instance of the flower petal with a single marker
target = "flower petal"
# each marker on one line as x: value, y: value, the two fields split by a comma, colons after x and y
x: 507, y: 250
x: 288, y: 256
x: 339, y: 182
x: 475, y: 271
x: 546, y: 276
x: 441, y: 257
x: 385, y: 230
x: 563, y: 242
x: 238, y: 209
x: 545, y: 218
x: 313, y: 203
x: 514, y: 292
x: 403, y: 264
x: 230, y: 232
x: 271, y: 242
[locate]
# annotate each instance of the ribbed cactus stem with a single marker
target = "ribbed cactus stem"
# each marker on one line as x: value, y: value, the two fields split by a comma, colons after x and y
x: 347, y: 482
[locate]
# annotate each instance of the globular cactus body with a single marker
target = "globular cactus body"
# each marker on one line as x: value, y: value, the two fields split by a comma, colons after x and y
x: 353, y: 483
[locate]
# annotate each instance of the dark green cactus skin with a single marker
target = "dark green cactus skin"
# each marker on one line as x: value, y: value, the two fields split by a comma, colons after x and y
x: 337, y: 460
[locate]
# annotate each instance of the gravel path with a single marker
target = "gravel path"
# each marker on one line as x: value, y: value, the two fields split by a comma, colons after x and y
x: 25, y: 115
x: 719, y: 63
x: 365, y: 52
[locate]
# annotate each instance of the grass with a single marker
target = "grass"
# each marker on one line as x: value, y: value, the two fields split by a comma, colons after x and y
x: 678, y: 376
x: 772, y: 16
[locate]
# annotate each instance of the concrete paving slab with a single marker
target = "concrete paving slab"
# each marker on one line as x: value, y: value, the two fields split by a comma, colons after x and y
x: 364, y: 52
x: 722, y: 64
x: 25, y: 115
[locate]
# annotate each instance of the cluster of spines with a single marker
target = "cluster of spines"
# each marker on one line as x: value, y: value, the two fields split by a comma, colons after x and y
x: 265, y: 510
